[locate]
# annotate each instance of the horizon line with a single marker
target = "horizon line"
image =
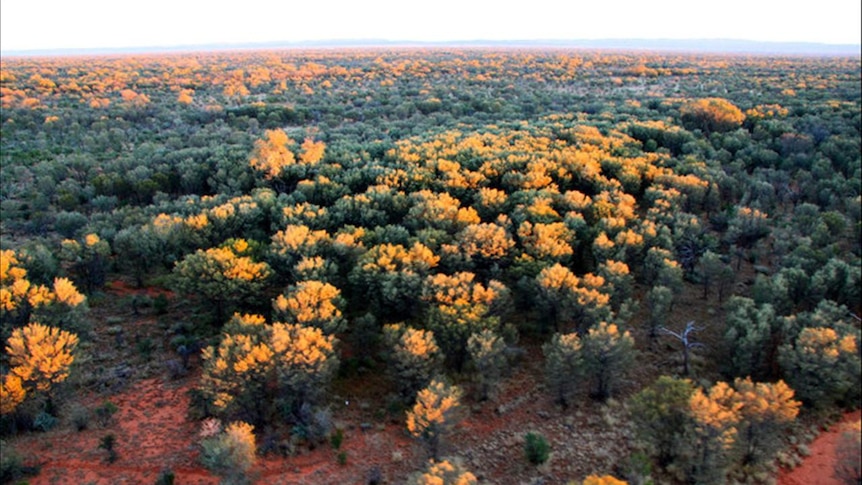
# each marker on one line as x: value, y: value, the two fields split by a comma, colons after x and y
x: 691, y: 45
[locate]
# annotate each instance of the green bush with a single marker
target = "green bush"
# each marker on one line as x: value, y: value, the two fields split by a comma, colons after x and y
x: 166, y: 477
x: 231, y: 452
x: 105, y: 413
x: 536, y: 448
x: 336, y: 438
x: 11, y: 465
x: 107, y: 443
x: 44, y: 422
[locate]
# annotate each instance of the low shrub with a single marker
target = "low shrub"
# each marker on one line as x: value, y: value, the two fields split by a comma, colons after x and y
x: 231, y: 452
x: 107, y: 443
x: 536, y: 448
x: 44, y: 421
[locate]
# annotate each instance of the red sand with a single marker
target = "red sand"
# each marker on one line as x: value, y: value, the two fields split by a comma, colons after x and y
x: 818, y: 468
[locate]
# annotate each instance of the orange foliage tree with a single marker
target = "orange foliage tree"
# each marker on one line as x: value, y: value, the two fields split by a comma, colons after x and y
x: 259, y: 369
x: 415, y: 357
x: 222, y: 275
x: 311, y: 303
x: 22, y: 302
x: 570, y: 301
x: 434, y: 414
x: 39, y: 358
x: 446, y: 472
x: 459, y: 306
x: 711, y: 114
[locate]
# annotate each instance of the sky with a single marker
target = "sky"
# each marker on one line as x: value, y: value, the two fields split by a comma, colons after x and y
x: 76, y: 24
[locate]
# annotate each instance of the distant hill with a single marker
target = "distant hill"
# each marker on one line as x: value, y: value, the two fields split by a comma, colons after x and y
x: 728, y: 46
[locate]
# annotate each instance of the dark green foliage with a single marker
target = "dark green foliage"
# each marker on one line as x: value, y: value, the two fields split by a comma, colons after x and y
x: 107, y: 443
x: 105, y: 413
x: 166, y: 477
x: 750, y: 339
x: 536, y: 448
x: 44, y: 421
x: 11, y: 465
x: 336, y: 438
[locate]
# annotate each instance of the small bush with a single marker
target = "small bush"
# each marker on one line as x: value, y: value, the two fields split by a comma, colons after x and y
x: 166, y: 477
x: 336, y: 438
x: 11, y: 466
x: 536, y: 448
x: 80, y: 418
x: 107, y: 443
x: 848, y: 466
x: 342, y: 458
x: 105, y: 413
x: 44, y: 422
x: 231, y: 453
x: 160, y: 304
x: 145, y: 347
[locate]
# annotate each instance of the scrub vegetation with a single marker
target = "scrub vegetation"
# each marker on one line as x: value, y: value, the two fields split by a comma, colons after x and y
x: 662, y: 249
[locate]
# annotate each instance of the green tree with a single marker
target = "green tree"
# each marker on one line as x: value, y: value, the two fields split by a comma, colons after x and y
x: 391, y: 278
x: 607, y: 355
x: 714, y: 272
x: 488, y: 357
x: 86, y: 260
x: 660, y: 413
x: 659, y: 302
x: 563, y: 366
x: 750, y: 337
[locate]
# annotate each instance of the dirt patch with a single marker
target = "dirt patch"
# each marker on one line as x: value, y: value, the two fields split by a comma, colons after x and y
x: 152, y: 434
x: 819, y: 466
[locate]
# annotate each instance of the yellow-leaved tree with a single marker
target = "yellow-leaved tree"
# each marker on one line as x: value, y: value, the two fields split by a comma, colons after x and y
x: 716, y: 416
x: 312, y: 303
x: 39, y: 358
x: 459, y: 306
x: 446, y: 472
x: 272, y: 154
x: 711, y: 114
x: 22, y: 302
x: 434, y: 414
x: 767, y: 409
x: 223, y: 275
x: 415, y: 357
x: 572, y: 302
x: 603, y: 480
x: 259, y: 370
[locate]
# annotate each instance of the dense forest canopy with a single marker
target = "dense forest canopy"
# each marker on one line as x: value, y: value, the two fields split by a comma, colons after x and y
x: 426, y: 208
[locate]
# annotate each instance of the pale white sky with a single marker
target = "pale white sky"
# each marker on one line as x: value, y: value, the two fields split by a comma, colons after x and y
x: 57, y: 24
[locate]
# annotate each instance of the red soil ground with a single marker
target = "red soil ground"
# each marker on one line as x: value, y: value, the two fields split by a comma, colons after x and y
x: 818, y: 468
